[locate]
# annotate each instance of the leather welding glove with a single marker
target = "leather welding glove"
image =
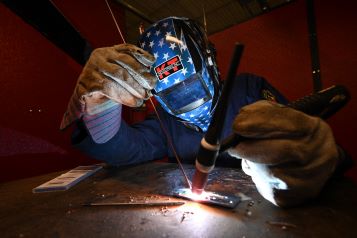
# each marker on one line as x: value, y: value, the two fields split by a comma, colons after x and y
x: 112, y: 76
x: 288, y: 154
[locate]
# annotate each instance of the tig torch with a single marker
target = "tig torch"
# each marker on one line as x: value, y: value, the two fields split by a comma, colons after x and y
x: 209, y: 148
x: 322, y: 104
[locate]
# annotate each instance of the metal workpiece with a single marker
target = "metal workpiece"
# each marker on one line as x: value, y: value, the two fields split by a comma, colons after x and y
x: 62, y: 214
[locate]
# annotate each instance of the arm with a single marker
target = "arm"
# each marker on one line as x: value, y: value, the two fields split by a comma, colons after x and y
x: 289, y: 155
x: 131, y: 144
x: 112, y: 76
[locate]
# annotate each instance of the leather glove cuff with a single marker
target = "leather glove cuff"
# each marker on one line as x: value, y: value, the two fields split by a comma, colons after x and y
x: 74, y: 112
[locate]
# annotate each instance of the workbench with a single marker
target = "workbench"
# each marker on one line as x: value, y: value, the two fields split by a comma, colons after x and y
x: 62, y: 214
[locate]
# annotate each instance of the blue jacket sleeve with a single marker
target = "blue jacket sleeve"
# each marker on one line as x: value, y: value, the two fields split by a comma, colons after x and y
x: 131, y: 144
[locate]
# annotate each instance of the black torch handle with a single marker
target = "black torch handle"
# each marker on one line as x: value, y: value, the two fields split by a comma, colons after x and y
x: 209, y: 147
x: 214, y: 130
x: 323, y: 104
x: 206, y: 155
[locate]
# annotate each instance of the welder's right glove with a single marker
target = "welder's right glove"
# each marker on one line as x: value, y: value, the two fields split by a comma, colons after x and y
x: 289, y: 155
x: 111, y: 77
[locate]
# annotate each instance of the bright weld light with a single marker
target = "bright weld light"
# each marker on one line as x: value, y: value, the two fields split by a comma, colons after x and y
x: 197, y: 197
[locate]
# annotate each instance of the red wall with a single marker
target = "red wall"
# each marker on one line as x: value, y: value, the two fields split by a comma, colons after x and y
x: 277, y: 47
x: 36, y: 81
x: 36, y: 78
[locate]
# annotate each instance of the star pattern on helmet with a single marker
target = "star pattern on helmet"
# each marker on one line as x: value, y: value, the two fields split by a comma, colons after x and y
x: 163, y: 41
x: 166, y: 56
x: 172, y: 46
x: 157, y: 39
x: 184, y: 71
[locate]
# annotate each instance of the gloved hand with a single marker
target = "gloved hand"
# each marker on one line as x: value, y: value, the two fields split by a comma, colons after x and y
x: 112, y: 75
x: 289, y: 155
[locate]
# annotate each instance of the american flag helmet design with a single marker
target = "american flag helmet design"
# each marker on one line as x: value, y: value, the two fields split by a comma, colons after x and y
x: 185, y: 87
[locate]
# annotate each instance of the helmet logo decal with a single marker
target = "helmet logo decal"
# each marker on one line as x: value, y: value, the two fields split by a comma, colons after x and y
x: 168, y: 68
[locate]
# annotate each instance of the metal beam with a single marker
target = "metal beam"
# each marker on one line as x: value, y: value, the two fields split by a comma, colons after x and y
x: 135, y: 11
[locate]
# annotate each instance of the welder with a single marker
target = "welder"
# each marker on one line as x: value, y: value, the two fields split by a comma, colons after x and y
x: 289, y: 155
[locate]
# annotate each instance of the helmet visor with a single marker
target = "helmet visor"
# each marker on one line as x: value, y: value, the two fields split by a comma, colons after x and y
x: 186, y: 95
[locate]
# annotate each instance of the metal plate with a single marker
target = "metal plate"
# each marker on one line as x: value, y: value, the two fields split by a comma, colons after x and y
x: 211, y: 198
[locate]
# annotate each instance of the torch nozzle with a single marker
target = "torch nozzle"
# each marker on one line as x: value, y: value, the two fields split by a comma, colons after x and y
x: 199, y: 182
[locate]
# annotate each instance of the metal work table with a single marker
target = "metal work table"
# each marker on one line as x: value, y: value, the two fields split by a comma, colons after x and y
x: 62, y: 214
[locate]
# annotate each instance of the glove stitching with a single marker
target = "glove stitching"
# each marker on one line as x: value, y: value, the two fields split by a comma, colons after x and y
x: 124, y: 85
x: 138, y: 77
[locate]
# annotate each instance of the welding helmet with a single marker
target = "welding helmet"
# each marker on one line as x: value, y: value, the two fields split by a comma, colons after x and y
x: 188, y: 79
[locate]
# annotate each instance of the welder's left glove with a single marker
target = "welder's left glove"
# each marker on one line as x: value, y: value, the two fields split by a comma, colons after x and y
x: 289, y: 155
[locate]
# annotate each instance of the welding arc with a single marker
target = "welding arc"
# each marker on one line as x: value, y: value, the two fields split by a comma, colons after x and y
x: 157, y: 114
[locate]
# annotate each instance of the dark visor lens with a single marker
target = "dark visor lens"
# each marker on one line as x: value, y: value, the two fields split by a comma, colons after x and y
x: 186, y: 95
